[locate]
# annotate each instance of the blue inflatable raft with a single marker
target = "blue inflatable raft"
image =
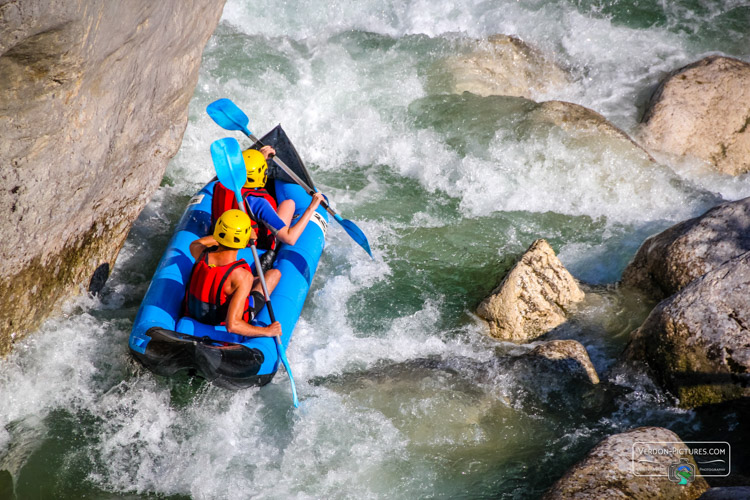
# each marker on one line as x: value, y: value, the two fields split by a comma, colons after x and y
x: 167, y: 343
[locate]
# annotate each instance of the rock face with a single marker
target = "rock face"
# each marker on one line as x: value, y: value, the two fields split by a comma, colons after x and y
x: 669, y: 261
x: 703, y: 110
x: 533, y: 297
x: 504, y: 65
x: 93, y: 104
x: 698, y: 341
x: 608, y: 471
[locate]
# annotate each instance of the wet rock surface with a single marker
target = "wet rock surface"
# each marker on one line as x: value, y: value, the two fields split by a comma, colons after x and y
x: 504, y: 65
x: 578, y: 119
x: 727, y: 493
x: 561, y: 358
x: 698, y: 341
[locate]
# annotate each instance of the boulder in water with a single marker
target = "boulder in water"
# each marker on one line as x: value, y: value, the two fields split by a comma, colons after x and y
x: 727, y: 493
x: 504, y: 65
x: 533, y: 298
x: 703, y: 110
x: 568, y: 358
x: 582, y: 120
x: 698, y: 341
x: 608, y: 471
x: 669, y: 261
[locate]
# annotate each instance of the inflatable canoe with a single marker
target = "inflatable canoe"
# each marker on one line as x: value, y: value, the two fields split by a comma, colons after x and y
x: 167, y: 343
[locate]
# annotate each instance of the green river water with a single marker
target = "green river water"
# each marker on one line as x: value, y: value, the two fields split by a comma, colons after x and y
x: 402, y: 393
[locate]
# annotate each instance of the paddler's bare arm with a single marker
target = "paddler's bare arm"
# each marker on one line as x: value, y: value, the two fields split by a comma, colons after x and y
x: 240, y: 281
x: 290, y: 235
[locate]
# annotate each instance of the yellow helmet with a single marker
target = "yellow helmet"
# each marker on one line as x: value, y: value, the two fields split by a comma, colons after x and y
x: 233, y: 229
x: 257, y: 169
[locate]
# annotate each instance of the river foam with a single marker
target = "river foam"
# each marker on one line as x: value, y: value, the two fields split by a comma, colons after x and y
x: 449, y: 189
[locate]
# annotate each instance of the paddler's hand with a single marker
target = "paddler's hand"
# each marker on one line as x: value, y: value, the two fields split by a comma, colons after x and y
x: 268, y: 152
x: 317, y: 199
x: 274, y: 329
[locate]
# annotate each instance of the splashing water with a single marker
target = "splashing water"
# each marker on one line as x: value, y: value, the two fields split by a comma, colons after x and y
x: 387, y: 354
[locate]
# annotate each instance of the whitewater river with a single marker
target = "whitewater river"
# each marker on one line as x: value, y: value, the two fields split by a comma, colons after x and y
x: 400, y: 394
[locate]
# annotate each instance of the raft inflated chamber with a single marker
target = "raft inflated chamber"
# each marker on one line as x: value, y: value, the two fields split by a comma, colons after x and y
x: 167, y: 343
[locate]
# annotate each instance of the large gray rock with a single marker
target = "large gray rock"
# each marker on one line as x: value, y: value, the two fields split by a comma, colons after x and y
x: 503, y: 65
x: 93, y: 104
x: 533, y: 298
x: 669, y: 261
x: 608, y: 471
x: 703, y: 110
x: 698, y: 341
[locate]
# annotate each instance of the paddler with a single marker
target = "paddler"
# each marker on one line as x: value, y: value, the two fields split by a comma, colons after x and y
x: 221, y: 289
x: 262, y: 207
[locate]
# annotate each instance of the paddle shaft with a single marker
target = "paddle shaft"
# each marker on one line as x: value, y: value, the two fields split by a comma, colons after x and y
x: 292, y: 174
x: 230, y: 168
x: 279, y: 345
x: 263, y: 282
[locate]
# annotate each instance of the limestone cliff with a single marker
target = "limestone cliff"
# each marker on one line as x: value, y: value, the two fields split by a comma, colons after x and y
x: 93, y: 104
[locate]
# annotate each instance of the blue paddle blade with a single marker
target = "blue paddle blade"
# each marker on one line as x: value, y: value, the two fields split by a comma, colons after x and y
x: 285, y: 362
x: 230, y: 167
x: 227, y: 115
x: 356, y: 233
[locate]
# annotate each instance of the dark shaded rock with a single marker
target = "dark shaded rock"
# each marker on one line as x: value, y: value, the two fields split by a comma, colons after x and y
x: 730, y: 493
x: 559, y: 358
x: 698, y: 341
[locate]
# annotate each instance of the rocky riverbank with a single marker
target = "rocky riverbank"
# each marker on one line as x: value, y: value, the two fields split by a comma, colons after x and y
x: 696, y: 342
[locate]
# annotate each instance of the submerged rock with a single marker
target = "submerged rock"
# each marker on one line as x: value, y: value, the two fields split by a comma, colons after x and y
x: 93, y: 103
x: 504, y: 65
x: 703, y: 110
x: 698, y: 341
x: 669, y: 261
x: 608, y: 471
x: 556, y: 376
x: 533, y: 298
x: 580, y: 119
x: 568, y: 358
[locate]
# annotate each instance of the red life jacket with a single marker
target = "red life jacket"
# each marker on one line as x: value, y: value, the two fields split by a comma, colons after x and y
x: 224, y: 199
x: 205, y: 299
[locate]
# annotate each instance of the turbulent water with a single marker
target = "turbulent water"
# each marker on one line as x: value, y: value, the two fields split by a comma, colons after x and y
x: 387, y: 354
